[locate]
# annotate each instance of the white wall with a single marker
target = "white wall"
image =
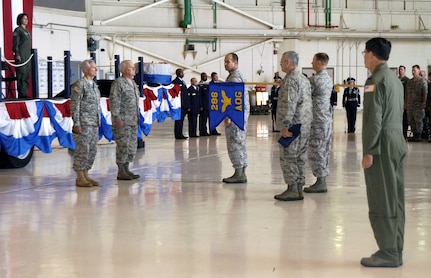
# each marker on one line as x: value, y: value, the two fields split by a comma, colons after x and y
x: 55, y: 31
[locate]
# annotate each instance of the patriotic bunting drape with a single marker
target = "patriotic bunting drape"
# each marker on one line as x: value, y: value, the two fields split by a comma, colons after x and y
x: 24, y: 124
x: 34, y: 123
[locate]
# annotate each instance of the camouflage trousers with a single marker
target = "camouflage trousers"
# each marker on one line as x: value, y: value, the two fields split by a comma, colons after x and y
x: 319, y: 149
x: 415, y: 118
x: 126, y: 139
x: 236, y: 145
x: 86, y: 147
x: 292, y: 160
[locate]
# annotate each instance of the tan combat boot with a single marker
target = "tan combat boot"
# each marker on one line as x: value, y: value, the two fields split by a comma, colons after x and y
x: 122, y: 174
x: 318, y: 187
x: 238, y: 177
x: 291, y: 194
x: 93, y: 182
x: 300, y: 186
x: 81, y: 181
x: 133, y: 175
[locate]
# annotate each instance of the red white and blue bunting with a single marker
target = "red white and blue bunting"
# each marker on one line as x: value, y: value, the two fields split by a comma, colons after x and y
x: 34, y: 123
x: 24, y: 124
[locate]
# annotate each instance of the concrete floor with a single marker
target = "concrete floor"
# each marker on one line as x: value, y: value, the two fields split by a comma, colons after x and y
x: 180, y: 220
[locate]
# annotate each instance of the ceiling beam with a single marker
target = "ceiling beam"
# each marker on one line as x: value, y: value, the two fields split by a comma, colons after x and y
x: 104, y: 22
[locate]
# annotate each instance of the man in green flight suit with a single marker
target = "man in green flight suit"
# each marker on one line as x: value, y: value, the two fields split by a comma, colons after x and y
x: 384, y: 150
x: 22, y: 50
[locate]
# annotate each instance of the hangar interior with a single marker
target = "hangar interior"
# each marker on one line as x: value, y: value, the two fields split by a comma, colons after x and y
x: 179, y: 219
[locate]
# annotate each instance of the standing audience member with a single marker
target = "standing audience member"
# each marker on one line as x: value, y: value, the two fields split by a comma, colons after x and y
x: 214, y: 79
x: 193, y: 92
x: 235, y: 137
x: 185, y: 104
x: 294, y: 107
x: 85, y: 110
x: 403, y: 78
x: 429, y: 106
x: 22, y: 50
x: 124, y: 104
x: 384, y: 150
x: 319, y: 149
x: 273, y: 99
x: 334, y: 98
x: 426, y: 120
x: 351, y: 102
x: 415, y: 102
x: 204, y: 102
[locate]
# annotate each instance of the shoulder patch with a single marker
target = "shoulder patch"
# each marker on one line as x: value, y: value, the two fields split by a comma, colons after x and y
x: 369, y: 88
x: 76, y: 89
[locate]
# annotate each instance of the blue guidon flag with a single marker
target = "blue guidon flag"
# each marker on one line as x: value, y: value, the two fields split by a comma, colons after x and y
x: 226, y: 100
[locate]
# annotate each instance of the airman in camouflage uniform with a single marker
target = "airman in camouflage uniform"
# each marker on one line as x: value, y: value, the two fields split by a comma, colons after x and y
x: 415, y: 101
x: 235, y: 137
x: 124, y: 104
x: 85, y: 110
x: 319, y: 149
x: 294, y: 107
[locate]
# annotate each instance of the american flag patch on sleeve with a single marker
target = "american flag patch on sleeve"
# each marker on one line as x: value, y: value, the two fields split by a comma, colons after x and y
x: 369, y: 88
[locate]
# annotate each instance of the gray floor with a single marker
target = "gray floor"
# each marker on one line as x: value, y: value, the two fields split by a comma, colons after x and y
x: 179, y: 220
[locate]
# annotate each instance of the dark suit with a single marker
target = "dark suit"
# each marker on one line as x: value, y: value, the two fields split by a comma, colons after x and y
x: 185, y: 106
x: 193, y: 93
x: 204, y: 113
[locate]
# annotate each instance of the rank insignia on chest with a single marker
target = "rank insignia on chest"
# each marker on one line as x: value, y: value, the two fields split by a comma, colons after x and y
x: 369, y: 88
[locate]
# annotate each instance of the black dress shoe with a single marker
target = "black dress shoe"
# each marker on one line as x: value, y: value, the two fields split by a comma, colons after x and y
x: 194, y: 136
x: 215, y: 132
x: 205, y: 134
x: 182, y: 137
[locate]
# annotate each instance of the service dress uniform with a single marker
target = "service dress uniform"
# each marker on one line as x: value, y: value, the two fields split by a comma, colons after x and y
x: 351, y: 101
x: 185, y: 107
x: 204, y: 110
x: 274, y: 101
x: 382, y: 137
x: 193, y: 92
x: 22, y: 47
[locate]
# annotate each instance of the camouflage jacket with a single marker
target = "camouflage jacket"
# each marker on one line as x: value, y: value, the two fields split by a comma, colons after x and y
x: 415, y: 91
x: 321, y: 89
x: 124, y: 101
x: 294, y: 102
x: 85, y: 103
